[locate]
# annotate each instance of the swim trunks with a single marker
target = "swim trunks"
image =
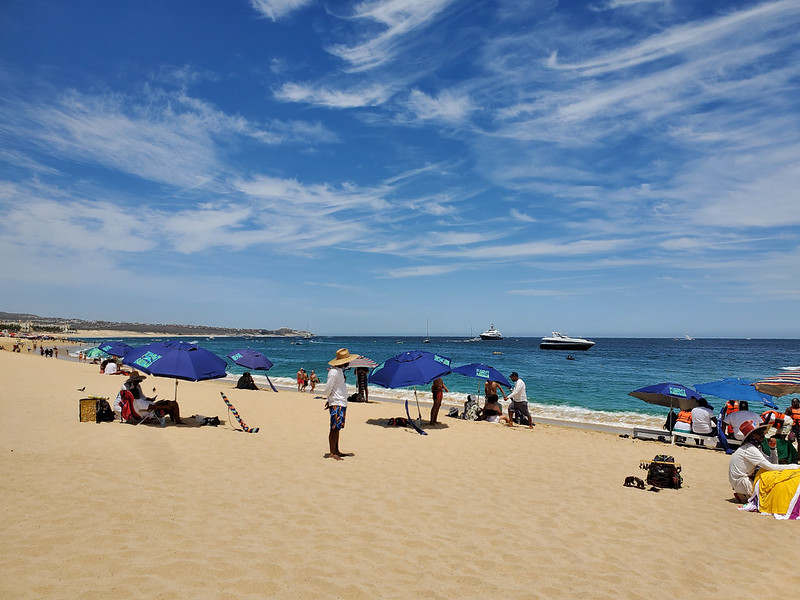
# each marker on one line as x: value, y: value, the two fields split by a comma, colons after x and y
x: 337, y: 417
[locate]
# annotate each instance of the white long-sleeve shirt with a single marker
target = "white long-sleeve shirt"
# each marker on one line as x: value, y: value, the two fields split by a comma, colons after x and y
x: 746, y: 462
x: 518, y: 393
x: 336, y: 388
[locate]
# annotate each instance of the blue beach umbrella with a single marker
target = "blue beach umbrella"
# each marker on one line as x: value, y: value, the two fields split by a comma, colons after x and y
x: 410, y: 368
x: 407, y: 369
x: 119, y: 349
x: 669, y: 395
x: 735, y: 388
x: 482, y: 371
x: 252, y: 359
x: 177, y: 360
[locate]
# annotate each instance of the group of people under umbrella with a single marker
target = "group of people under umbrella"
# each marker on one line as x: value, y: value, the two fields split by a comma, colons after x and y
x: 764, y: 463
x: 407, y: 369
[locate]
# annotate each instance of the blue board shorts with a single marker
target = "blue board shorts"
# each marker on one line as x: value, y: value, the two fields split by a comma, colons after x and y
x: 337, y: 417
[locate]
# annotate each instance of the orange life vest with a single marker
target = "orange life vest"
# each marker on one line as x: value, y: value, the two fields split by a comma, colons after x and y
x: 685, y: 416
x: 773, y: 417
x: 794, y: 413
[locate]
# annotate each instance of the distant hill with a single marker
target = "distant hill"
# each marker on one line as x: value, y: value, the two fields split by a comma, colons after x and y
x: 166, y: 328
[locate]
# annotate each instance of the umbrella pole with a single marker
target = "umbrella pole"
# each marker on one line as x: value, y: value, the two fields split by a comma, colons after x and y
x: 176, y: 390
x: 419, y: 413
x: 671, y: 433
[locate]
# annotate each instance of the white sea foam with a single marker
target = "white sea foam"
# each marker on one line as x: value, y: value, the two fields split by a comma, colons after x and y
x: 570, y: 414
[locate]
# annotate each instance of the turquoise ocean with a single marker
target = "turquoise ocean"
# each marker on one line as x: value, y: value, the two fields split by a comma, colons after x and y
x: 593, y: 388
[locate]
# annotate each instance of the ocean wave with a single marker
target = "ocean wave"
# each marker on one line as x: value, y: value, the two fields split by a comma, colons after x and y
x: 569, y: 414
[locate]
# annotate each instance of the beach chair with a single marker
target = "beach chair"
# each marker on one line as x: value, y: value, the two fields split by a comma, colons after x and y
x: 129, y: 414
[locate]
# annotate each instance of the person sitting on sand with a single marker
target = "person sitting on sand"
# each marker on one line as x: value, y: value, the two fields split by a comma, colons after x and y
x: 492, y: 411
x: 749, y: 458
x: 141, y: 403
x: 246, y: 382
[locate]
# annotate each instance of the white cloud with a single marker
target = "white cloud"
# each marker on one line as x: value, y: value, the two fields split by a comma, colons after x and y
x: 685, y: 38
x: 372, y: 95
x: 275, y: 9
x: 447, y: 106
x: 420, y: 271
x: 398, y: 18
x: 518, y: 215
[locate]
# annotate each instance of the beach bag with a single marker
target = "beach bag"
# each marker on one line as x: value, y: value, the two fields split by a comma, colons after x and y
x: 662, y: 474
x: 397, y: 422
x: 103, y: 412
x: 471, y: 409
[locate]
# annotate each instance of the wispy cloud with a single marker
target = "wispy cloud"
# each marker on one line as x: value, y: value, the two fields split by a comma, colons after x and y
x: 163, y: 137
x: 447, y: 106
x: 371, y: 95
x: 420, y: 271
x: 397, y: 19
x: 275, y: 9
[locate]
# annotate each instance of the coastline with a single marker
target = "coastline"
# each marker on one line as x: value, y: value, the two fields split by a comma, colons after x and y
x: 187, y: 511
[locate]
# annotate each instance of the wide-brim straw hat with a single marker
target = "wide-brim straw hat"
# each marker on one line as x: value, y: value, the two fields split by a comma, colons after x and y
x: 135, y: 377
x: 343, y: 356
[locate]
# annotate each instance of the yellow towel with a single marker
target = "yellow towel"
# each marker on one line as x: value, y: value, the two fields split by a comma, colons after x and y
x: 776, y: 490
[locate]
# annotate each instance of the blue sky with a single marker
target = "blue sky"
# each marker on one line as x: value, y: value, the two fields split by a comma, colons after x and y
x: 605, y: 168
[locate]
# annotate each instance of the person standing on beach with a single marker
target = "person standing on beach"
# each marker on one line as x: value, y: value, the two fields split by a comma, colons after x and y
x: 437, y: 391
x: 491, y: 388
x: 793, y: 412
x: 362, y: 387
x: 313, y: 380
x: 519, y: 401
x: 336, y: 403
x: 301, y: 377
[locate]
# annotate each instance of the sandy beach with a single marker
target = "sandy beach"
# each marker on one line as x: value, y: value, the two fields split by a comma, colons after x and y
x: 473, y: 510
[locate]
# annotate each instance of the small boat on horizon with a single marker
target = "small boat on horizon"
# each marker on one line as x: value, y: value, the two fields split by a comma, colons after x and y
x: 491, y: 334
x: 561, y: 341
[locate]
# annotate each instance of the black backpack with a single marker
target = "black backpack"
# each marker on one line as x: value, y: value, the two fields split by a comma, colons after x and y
x: 662, y: 472
x: 103, y: 412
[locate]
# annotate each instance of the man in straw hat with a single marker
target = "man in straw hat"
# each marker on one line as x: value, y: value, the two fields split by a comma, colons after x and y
x: 336, y: 403
x: 142, y: 404
x: 749, y: 458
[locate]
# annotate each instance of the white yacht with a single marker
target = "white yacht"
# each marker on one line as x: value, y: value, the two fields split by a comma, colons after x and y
x: 561, y: 341
x: 491, y: 334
